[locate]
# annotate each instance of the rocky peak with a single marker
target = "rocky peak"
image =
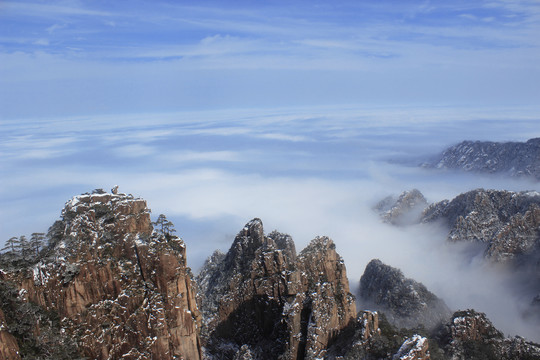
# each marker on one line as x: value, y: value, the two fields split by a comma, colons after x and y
x: 285, y: 243
x: 406, y: 303
x: 99, y: 220
x: 404, y: 210
x: 509, y: 158
x: 470, y: 325
x: 470, y: 335
x: 262, y: 300
x: 506, y: 221
x: 120, y: 289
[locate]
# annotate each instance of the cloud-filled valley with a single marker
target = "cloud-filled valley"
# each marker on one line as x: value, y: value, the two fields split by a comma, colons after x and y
x: 302, y: 174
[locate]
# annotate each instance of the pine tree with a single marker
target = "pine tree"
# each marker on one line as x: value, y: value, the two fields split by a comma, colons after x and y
x: 11, y: 245
x: 25, y: 250
x: 37, y: 241
x: 165, y: 227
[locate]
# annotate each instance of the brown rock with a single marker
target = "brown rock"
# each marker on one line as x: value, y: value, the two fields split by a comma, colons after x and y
x: 261, y: 299
x: 9, y: 349
x: 120, y: 290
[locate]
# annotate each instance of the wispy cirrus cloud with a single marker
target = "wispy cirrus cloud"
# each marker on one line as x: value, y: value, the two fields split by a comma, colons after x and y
x: 166, y: 55
x: 38, y: 9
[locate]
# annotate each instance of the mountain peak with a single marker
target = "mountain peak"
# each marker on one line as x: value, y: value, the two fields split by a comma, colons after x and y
x: 406, y: 302
x: 516, y: 159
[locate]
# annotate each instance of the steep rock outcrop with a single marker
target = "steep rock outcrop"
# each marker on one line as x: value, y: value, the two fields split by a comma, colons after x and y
x: 371, y: 337
x: 405, y: 302
x: 264, y: 298
x: 405, y: 210
x: 413, y: 348
x: 507, y: 222
x: 470, y: 335
x: 511, y: 158
x: 9, y: 349
x: 119, y: 289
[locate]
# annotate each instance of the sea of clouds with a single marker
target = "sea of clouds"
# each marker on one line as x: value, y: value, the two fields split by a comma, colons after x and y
x: 305, y: 172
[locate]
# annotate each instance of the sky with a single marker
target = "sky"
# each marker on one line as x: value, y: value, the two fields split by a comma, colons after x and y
x: 96, y: 57
x: 301, y: 113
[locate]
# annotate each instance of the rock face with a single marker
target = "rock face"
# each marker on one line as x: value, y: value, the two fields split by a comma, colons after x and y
x: 119, y: 289
x: 405, y: 302
x: 470, y: 335
x: 405, y: 210
x: 263, y: 300
x: 414, y: 348
x: 373, y: 338
x: 9, y: 349
x: 510, y: 158
x: 507, y: 222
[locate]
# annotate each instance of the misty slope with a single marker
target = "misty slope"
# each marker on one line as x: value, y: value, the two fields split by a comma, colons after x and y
x: 405, y: 302
x: 509, y: 158
x: 505, y: 225
x: 506, y: 221
x: 470, y: 335
x: 403, y: 210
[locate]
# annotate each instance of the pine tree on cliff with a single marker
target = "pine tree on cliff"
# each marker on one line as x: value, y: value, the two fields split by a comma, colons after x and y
x: 164, y: 226
x: 37, y: 241
x: 11, y: 246
x: 25, y: 249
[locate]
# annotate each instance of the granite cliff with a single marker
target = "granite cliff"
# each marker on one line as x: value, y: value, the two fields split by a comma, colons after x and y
x: 117, y: 289
x: 264, y: 299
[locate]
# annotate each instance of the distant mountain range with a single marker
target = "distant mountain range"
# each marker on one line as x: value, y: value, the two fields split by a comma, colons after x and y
x: 505, y: 225
x: 516, y: 159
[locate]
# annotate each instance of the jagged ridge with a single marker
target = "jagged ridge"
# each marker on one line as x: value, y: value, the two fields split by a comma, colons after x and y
x: 305, y: 299
x: 509, y: 158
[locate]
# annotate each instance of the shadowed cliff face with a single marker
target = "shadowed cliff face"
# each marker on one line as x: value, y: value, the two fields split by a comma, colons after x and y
x: 280, y: 305
x: 119, y: 289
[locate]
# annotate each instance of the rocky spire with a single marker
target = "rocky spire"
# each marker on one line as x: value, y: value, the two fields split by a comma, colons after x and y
x: 263, y: 300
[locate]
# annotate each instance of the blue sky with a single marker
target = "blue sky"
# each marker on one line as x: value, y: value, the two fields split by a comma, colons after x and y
x: 95, y: 57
